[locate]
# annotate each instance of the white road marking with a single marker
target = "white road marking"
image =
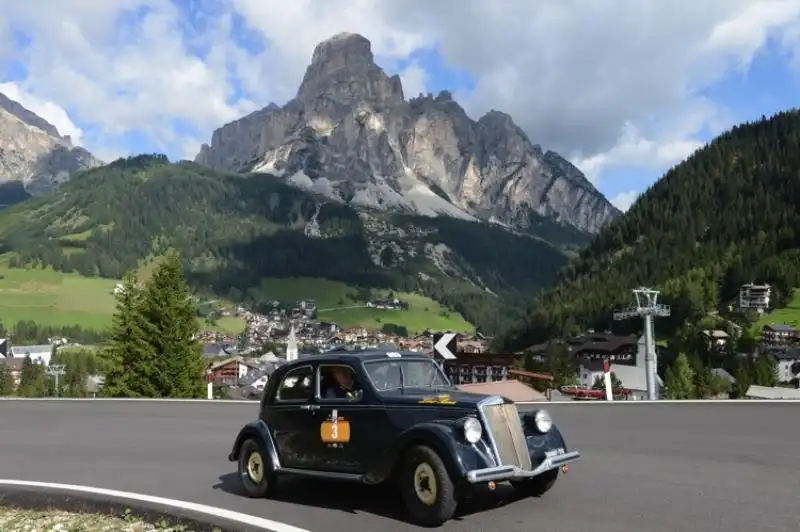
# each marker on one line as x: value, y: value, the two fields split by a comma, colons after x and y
x: 249, y: 520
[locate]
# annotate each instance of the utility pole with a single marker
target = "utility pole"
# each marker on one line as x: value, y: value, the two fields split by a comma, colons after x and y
x: 646, y: 306
x: 56, y: 370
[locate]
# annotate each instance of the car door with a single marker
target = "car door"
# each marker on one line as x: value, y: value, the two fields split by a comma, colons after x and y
x: 351, y: 432
x: 291, y: 417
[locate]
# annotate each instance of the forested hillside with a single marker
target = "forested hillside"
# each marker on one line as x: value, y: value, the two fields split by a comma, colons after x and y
x: 726, y: 216
x: 235, y: 230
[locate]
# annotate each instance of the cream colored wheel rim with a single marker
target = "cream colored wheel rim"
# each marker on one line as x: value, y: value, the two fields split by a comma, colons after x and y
x: 425, y: 484
x: 255, y: 467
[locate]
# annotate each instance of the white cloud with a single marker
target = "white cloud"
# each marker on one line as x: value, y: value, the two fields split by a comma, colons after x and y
x: 414, y: 80
x: 624, y: 200
x: 607, y: 82
x: 50, y: 111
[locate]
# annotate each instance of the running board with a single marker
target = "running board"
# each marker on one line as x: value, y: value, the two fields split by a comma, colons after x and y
x: 311, y: 473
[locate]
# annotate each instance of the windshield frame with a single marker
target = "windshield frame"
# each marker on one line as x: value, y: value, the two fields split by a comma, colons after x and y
x: 408, y: 360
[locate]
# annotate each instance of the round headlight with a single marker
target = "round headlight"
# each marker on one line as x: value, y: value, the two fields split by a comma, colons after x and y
x: 542, y: 421
x: 472, y: 430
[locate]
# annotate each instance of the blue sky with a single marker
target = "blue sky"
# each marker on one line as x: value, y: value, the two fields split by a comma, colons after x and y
x: 160, y: 77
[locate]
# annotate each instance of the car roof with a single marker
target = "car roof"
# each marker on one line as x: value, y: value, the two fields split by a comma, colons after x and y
x: 355, y: 357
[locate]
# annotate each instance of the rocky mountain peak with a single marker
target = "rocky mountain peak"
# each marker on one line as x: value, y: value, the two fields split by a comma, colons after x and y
x: 351, y: 136
x: 32, y: 151
x: 342, y: 49
x: 29, y: 117
x: 343, y: 69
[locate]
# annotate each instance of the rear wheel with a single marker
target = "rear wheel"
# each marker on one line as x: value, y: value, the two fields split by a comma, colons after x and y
x: 427, y: 489
x: 255, y: 469
x: 538, y: 485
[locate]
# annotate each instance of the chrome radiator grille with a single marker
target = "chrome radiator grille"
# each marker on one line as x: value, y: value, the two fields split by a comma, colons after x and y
x: 505, y: 426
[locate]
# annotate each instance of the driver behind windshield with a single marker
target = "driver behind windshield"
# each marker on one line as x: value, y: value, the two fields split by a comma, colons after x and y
x: 342, y: 386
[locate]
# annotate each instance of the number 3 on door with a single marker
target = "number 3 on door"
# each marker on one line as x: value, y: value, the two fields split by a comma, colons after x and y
x: 335, y: 431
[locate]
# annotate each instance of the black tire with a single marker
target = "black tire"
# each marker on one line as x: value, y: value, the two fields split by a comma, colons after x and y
x: 538, y: 485
x: 255, y: 485
x: 424, y: 462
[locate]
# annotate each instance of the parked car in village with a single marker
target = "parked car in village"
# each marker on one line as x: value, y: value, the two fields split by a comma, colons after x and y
x: 385, y: 416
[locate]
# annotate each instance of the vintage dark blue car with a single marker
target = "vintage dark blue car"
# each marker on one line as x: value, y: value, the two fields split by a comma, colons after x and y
x: 388, y: 416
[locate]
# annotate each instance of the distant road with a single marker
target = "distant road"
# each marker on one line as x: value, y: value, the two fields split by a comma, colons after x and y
x: 646, y: 467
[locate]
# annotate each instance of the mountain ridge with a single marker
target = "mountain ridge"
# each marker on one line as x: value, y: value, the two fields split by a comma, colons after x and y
x: 234, y: 230
x: 34, y: 156
x: 351, y: 135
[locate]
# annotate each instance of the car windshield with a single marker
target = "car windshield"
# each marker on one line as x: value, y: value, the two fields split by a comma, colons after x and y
x: 392, y: 374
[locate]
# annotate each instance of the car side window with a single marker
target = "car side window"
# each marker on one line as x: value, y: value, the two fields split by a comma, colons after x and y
x: 296, y: 386
x: 338, y: 382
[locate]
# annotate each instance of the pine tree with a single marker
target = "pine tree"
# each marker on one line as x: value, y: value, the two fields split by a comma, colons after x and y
x: 680, y: 379
x: 128, y: 358
x: 600, y: 383
x: 744, y: 378
x: 702, y: 378
x: 32, y: 381
x: 6, y: 380
x: 766, y: 371
x: 171, y: 312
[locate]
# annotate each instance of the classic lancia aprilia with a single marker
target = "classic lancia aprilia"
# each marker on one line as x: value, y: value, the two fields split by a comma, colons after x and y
x: 387, y: 416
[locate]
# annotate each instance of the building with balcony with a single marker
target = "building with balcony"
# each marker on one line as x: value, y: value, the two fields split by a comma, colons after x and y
x: 755, y: 297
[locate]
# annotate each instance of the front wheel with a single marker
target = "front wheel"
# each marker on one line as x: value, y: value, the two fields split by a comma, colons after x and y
x: 427, y: 489
x: 255, y: 469
x: 538, y: 485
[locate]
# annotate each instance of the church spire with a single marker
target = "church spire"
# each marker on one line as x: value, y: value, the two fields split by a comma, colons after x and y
x: 291, y: 346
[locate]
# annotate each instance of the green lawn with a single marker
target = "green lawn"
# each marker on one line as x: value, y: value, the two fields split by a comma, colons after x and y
x: 53, y: 298
x: 789, y: 315
x: 335, y: 303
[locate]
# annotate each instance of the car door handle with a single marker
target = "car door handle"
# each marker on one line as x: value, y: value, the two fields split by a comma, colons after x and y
x: 309, y: 407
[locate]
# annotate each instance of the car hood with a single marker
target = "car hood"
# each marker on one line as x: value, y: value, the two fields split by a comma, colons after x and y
x: 433, y: 397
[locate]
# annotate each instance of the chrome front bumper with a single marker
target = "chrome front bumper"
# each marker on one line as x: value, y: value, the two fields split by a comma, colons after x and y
x: 513, y: 472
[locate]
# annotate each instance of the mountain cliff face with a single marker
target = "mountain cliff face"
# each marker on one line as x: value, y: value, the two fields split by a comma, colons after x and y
x: 351, y: 135
x: 33, y: 153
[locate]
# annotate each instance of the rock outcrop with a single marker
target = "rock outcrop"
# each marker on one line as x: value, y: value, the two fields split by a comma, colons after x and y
x: 351, y: 134
x: 33, y: 153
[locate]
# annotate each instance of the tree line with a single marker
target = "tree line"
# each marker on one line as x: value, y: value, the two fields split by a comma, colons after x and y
x: 685, y: 366
x: 689, y: 378
x: 28, y: 332
x: 80, y: 364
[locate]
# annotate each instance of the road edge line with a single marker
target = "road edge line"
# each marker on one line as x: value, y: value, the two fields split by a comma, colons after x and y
x: 168, y: 505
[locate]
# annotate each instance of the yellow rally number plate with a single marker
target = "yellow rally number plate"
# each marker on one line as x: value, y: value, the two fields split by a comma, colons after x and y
x: 338, y: 432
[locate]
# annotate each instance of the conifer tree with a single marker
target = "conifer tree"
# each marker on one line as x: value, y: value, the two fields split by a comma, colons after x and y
x: 680, y: 379
x: 170, y: 310
x: 32, y: 380
x: 766, y: 371
x: 128, y: 358
x: 744, y: 378
x: 6, y: 381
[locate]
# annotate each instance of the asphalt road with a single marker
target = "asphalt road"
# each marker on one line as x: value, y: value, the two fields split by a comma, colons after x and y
x: 645, y: 468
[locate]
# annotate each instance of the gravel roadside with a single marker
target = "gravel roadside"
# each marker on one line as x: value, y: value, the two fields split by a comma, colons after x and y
x: 19, y: 520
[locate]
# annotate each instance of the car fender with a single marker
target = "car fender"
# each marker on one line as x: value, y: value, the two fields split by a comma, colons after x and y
x: 259, y: 430
x: 458, y: 455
